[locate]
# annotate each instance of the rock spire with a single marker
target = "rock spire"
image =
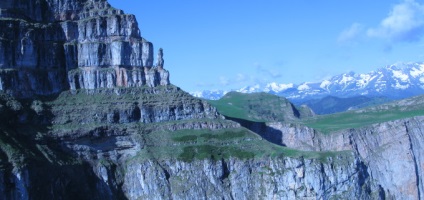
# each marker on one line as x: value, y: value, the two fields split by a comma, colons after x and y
x: 160, y: 61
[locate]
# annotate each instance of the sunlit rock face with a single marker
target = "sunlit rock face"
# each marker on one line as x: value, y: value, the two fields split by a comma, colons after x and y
x: 49, y: 46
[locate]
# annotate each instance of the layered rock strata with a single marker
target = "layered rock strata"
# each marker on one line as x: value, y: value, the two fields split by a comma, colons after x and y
x: 96, y: 146
x: 391, y: 150
x: 49, y: 46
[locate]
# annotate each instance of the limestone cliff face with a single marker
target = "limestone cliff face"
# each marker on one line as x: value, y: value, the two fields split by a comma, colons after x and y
x: 393, y: 151
x: 288, y: 178
x: 96, y: 146
x: 49, y: 46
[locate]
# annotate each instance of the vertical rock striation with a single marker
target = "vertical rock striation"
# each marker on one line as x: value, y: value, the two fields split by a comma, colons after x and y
x: 49, y: 46
x: 392, y: 151
x: 288, y: 178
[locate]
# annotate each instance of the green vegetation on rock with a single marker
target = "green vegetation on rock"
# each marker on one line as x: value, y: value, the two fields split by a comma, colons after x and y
x: 263, y: 107
x: 331, y: 104
x: 188, y: 145
x: 83, y: 117
x: 371, y: 115
x: 258, y: 107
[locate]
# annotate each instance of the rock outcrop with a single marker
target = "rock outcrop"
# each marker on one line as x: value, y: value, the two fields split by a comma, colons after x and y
x: 96, y: 146
x: 391, y: 150
x: 49, y: 46
x: 98, y: 142
x: 288, y: 178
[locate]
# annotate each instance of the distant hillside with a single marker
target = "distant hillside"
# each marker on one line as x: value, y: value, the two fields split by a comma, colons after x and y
x: 332, y: 104
x: 259, y: 107
x: 400, y: 109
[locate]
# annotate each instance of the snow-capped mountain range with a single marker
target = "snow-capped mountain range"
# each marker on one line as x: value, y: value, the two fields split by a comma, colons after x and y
x: 394, y: 81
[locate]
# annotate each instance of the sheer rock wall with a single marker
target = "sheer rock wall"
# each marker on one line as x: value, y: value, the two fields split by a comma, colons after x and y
x: 53, y: 45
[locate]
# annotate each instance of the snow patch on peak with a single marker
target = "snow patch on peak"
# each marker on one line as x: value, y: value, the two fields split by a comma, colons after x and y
x: 209, y: 94
x: 400, y: 75
x: 277, y: 87
x: 304, y: 86
x: 364, y: 80
x: 401, y: 87
x: 250, y: 89
x: 346, y: 78
x: 197, y: 94
x: 325, y: 84
x: 417, y: 71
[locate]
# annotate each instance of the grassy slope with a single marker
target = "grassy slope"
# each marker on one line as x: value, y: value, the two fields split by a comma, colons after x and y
x: 330, y: 104
x: 159, y: 142
x: 242, y: 143
x: 190, y: 144
x: 217, y: 144
x: 256, y: 107
x: 357, y: 118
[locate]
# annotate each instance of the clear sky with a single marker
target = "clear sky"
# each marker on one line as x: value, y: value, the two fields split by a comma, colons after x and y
x: 228, y: 44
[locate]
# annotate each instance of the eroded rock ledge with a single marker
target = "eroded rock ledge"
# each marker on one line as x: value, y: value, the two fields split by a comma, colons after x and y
x: 49, y: 46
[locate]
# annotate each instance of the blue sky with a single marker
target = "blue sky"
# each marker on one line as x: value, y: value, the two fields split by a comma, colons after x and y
x: 222, y: 44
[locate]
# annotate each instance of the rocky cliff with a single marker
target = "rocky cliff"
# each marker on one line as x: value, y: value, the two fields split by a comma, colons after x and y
x: 392, y: 151
x: 63, y: 149
x: 49, y: 46
x: 99, y: 120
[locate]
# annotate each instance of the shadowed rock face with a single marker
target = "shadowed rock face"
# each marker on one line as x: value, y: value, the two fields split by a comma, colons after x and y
x: 49, y: 46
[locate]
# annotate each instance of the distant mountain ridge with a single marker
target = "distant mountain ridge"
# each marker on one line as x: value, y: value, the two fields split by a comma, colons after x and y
x: 331, y: 104
x: 395, y: 81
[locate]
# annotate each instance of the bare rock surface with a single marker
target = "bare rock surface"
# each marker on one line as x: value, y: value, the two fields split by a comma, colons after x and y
x: 392, y: 151
x: 50, y: 46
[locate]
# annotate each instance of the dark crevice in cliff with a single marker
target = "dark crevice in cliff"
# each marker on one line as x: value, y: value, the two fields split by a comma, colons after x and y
x: 295, y: 111
x: 381, y: 193
x: 167, y: 175
x: 115, y: 182
x: 363, y: 178
x: 268, y: 133
x: 225, y: 171
x: 416, y: 167
x: 165, y: 172
x: 136, y: 112
x: 323, y: 183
